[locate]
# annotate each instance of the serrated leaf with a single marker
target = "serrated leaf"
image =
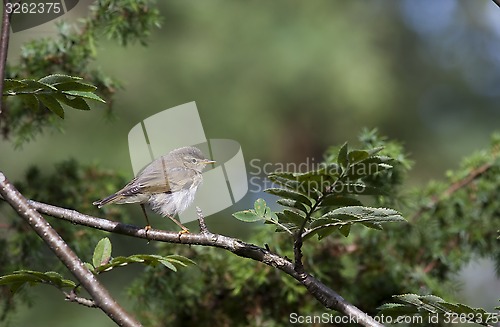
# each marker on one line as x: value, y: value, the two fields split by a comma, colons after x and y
x: 292, y: 204
x: 285, y: 179
x: 168, y: 264
x: 396, y: 310
x: 360, y: 212
x: 375, y: 150
x: 294, y: 215
x: 102, y: 253
x: 372, y: 225
x: 289, y: 194
x: 409, y: 298
x: 87, y: 95
x: 324, y: 232
x: 368, y: 167
x: 52, y: 104
x: 260, y: 207
x: 76, y: 86
x: 339, y: 200
x: 248, y: 216
x: 30, y: 100
x: 89, y: 266
x: 180, y: 259
x: 12, y: 84
x: 32, y: 86
x: 430, y: 299
x: 331, y: 169
x: 345, y: 229
x: 21, y: 277
x: 357, y: 155
x: 77, y: 103
x: 433, y: 304
x: 287, y: 218
x: 147, y: 259
x: 342, y: 159
x: 356, y: 189
x: 58, y: 78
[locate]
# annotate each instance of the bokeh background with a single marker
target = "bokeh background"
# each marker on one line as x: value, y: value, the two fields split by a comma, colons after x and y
x: 287, y: 79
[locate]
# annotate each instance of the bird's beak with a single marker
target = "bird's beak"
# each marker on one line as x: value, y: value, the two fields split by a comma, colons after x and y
x: 210, y: 161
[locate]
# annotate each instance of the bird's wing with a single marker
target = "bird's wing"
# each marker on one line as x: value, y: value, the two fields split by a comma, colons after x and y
x: 157, y: 178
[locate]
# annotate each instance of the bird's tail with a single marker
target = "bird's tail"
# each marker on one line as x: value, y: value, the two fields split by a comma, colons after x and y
x: 110, y: 199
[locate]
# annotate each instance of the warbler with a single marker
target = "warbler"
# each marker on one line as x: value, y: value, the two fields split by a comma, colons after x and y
x: 168, y: 184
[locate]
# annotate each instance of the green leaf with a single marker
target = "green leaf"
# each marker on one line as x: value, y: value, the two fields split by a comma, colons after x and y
x: 30, y: 100
x: 322, y: 233
x: 171, y: 262
x: 167, y: 264
x: 396, y: 310
x: 342, y: 159
x: 87, y: 95
x: 102, y: 253
x: 375, y: 150
x: 289, y: 194
x: 58, y: 79
x: 368, y: 213
x: 52, y: 104
x: 248, y: 216
x: 89, y: 266
x: 355, y: 156
x: 430, y: 304
x: 180, y: 260
x: 19, y: 278
x: 368, y: 167
x: 76, y: 86
x: 11, y: 84
x: 77, y: 103
x: 345, y: 229
x: 290, y: 217
x: 33, y: 86
x: 287, y: 180
x: 356, y: 189
x: 340, y: 201
x: 260, y: 207
x: 292, y: 204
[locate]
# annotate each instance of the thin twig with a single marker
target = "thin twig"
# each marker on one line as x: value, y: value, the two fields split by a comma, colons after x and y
x: 4, y: 47
x: 201, y: 221
x: 325, y: 295
x: 299, y: 239
x: 98, y: 292
x: 72, y: 297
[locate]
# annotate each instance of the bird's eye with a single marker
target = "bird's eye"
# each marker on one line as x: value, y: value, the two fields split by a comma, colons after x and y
x: 194, y: 160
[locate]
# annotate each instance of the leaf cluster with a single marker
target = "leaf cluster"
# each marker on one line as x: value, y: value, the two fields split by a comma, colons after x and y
x: 328, y: 199
x: 430, y: 305
x: 52, y: 92
x: 102, y: 261
x: 71, y: 52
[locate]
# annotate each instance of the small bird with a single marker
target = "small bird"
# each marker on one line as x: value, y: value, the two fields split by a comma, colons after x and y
x: 168, y: 184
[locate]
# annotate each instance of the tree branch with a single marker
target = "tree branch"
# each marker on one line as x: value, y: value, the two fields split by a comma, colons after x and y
x: 4, y: 47
x: 326, y: 296
x: 72, y: 297
x: 476, y: 173
x: 99, y: 293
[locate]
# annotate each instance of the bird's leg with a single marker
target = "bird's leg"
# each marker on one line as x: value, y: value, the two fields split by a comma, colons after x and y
x: 184, y: 229
x: 148, y: 225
